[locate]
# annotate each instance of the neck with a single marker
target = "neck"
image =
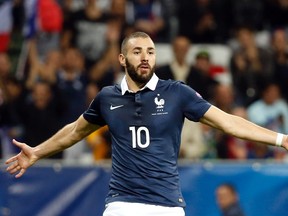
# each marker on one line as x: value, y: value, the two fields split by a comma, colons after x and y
x: 180, y: 62
x: 132, y: 85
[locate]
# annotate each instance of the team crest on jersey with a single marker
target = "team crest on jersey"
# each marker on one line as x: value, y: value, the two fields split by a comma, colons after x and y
x: 159, y: 102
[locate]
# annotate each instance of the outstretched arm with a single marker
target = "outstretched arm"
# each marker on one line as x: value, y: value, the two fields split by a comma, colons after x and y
x: 242, y: 128
x: 64, y: 138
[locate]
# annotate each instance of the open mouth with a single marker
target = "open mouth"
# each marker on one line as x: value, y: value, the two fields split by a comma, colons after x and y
x: 144, y: 67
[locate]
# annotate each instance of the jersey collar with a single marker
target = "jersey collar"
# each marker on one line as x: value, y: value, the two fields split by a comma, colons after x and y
x: 151, y: 84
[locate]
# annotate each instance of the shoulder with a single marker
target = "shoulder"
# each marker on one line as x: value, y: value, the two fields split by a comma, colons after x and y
x: 107, y: 92
x: 113, y: 89
x: 282, y: 106
x: 170, y: 83
x: 256, y: 105
x: 177, y: 87
x: 282, y: 103
x: 256, y: 109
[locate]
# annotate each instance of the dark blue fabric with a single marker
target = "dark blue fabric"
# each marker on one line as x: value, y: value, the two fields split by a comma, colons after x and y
x: 146, y: 130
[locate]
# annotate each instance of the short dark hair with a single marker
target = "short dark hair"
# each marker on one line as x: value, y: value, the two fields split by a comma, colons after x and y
x: 203, y: 54
x: 131, y: 36
x: 230, y: 187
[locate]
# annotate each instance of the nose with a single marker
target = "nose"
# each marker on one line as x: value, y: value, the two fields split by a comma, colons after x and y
x: 144, y: 56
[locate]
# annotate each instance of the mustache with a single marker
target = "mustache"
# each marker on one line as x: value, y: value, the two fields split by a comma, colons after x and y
x: 144, y: 64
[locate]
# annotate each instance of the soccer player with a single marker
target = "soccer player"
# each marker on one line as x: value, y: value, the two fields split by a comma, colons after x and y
x: 145, y: 116
x: 228, y: 200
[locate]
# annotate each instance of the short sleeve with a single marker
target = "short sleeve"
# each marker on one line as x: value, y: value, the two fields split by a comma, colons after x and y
x: 93, y: 113
x: 194, y: 106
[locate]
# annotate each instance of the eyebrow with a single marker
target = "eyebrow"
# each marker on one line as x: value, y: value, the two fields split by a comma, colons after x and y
x: 140, y: 48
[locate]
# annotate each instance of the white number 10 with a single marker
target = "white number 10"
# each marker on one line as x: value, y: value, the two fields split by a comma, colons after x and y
x: 136, y: 137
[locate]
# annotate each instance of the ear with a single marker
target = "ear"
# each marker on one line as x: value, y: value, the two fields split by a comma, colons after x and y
x: 122, y: 60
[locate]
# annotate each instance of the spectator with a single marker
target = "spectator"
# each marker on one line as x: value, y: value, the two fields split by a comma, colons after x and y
x: 228, y: 200
x: 105, y: 71
x: 178, y: 68
x: 224, y: 97
x: 5, y: 67
x: 200, y: 75
x: 71, y: 83
x: 192, y: 144
x: 45, y: 70
x: 17, y: 17
x: 118, y: 12
x: 12, y: 102
x: 40, y: 115
x: 147, y: 16
x: 271, y: 111
x: 238, y: 149
x: 11, y: 113
x: 250, y: 64
x: 248, y: 13
x: 222, y: 145
x: 204, y: 21
x: 256, y: 151
x: 44, y: 21
x: 6, y: 24
x: 87, y: 30
x: 277, y: 14
x: 279, y: 45
x: 10, y: 92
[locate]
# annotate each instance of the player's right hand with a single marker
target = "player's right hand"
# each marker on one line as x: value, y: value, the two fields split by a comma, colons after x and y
x: 20, y: 162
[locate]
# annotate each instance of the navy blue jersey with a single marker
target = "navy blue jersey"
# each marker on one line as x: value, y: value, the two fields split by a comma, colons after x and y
x: 146, y: 130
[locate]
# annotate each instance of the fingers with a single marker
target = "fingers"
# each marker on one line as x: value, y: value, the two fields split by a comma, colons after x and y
x: 12, y: 159
x: 14, y: 168
x: 22, y: 171
x: 18, y: 169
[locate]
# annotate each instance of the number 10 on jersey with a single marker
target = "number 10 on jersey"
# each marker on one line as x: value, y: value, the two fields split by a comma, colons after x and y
x: 137, y: 139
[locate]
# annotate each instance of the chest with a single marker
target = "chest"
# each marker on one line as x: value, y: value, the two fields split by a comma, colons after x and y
x: 153, y: 110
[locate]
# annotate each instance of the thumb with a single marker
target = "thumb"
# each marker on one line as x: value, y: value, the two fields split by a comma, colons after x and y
x: 18, y: 144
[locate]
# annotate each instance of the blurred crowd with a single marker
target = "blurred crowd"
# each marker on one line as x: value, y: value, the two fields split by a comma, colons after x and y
x: 69, y: 51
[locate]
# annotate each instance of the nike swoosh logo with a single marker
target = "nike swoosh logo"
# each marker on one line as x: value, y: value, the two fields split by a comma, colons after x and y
x: 115, y: 107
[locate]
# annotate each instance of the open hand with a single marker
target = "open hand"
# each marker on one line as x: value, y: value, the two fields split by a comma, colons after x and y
x: 20, y: 162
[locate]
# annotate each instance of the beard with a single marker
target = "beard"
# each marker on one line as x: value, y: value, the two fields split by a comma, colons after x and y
x: 141, y: 80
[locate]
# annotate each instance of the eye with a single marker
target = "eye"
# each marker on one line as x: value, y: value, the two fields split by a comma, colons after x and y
x: 151, y: 52
x: 136, y: 52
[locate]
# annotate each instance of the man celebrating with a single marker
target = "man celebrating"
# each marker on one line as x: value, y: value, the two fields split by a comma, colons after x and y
x: 145, y: 117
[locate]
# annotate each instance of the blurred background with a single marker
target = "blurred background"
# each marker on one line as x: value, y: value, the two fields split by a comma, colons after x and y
x: 55, y: 56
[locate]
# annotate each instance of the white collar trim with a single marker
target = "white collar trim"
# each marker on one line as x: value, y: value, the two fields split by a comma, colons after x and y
x: 151, y: 84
